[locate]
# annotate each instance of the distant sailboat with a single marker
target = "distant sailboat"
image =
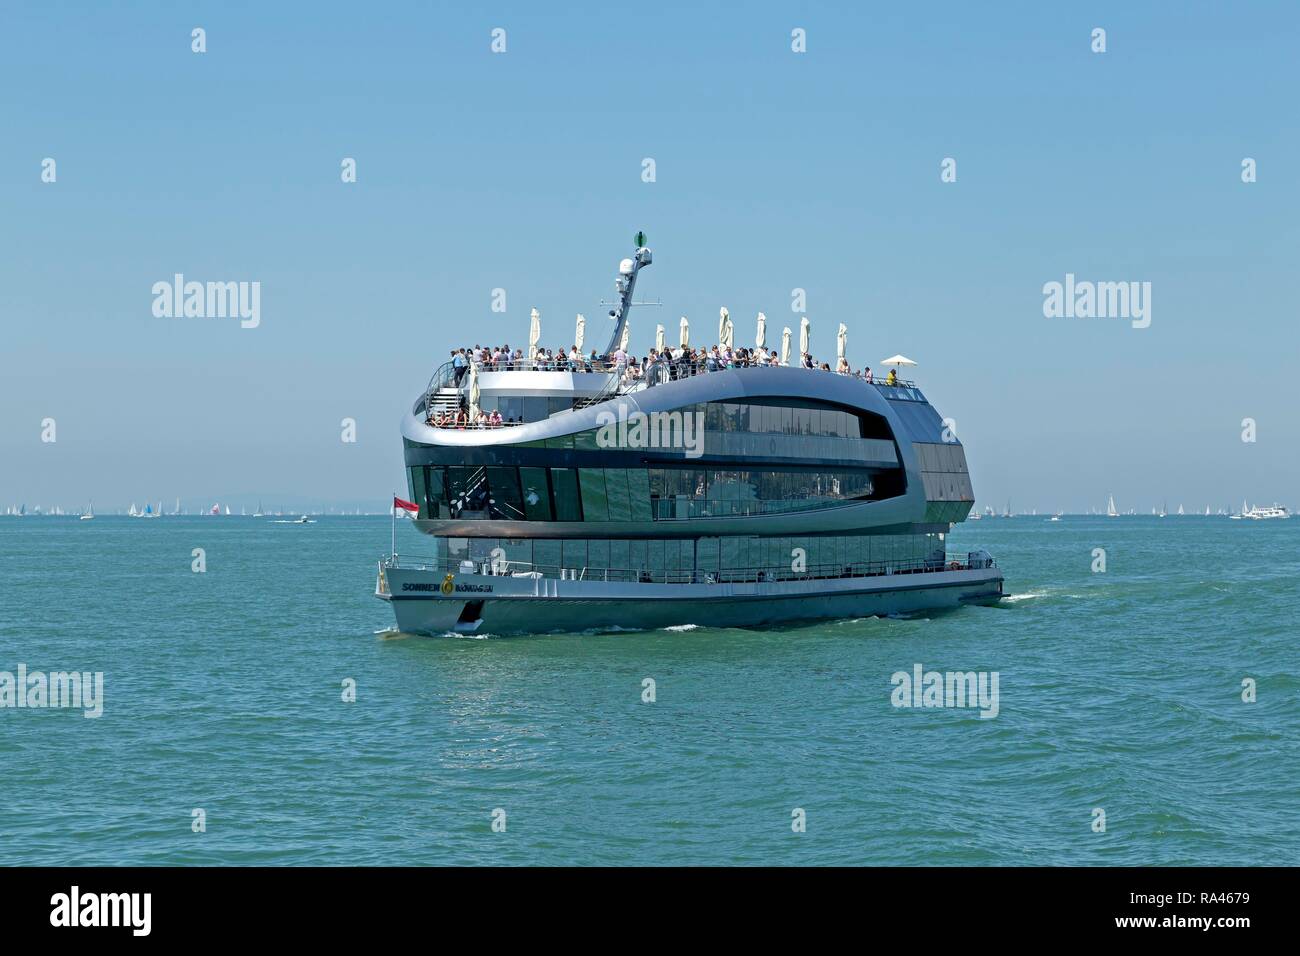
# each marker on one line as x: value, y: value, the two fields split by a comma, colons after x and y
x: 216, y: 510
x: 1110, y: 508
x: 90, y: 512
x: 258, y: 512
x: 1180, y: 509
x: 227, y: 511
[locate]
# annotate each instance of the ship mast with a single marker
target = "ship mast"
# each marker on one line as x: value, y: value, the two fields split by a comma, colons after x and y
x: 625, y: 284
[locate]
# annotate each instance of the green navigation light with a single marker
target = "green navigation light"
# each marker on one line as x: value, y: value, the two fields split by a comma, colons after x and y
x: 640, y: 240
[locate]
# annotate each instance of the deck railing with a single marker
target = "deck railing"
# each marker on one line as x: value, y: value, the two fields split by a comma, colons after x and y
x: 820, y: 572
x: 624, y: 382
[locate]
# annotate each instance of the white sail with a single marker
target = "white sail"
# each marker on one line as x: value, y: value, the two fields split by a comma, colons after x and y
x: 1110, y: 508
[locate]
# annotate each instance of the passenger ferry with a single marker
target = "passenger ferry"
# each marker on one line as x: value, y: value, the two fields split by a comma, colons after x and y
x: 677, y: 492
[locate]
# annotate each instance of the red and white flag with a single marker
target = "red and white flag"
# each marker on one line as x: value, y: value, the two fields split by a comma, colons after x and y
x: 404, y: 505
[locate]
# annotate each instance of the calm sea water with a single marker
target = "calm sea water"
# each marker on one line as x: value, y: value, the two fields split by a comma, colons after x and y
x: 1119, y: 690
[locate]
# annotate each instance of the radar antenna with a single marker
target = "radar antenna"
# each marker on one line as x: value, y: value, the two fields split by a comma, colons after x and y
x: 625, y: 284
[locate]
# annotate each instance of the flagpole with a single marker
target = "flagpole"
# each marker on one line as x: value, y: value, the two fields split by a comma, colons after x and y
x: 394, y: 515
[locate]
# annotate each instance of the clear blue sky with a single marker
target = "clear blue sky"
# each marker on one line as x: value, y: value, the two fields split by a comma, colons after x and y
x: 523, y: 171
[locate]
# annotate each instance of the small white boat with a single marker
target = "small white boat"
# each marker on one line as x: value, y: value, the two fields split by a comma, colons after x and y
x: 90, y: 512
x: 1110, y: 508
x: 1263, y: 514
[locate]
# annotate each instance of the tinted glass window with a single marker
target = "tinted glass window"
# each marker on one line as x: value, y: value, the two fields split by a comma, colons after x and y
x: 504, y: 498
x: 616, y: 491
x: 536, y: 495
x: 466, y: 490
x: 638, y: 494
x: 416, y: 476
x: 436, y: 491
x: 536, y: 409
x: 564, y: 486
x: 595, y: 503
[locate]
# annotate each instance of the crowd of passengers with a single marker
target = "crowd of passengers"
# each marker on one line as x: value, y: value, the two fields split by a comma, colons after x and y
x: 654, y: 369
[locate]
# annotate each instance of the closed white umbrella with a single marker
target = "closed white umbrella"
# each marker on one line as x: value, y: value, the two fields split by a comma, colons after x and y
x: 627, y: 335
x: 724, y: 327
x: 760, y: 340
x: 473, y: 391
x: 580, y: 332
x: 785, y: 346
x: 534, y: 333
x: 660, y: 341
x: 842, y: 341
x: 898, y: 360
x: 804, y: 329
x: 685, y: 333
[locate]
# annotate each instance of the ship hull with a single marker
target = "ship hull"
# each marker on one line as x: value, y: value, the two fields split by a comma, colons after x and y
x: 500, y: 605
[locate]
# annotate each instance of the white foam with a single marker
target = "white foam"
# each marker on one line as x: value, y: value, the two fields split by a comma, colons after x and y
x: 1024, y: 597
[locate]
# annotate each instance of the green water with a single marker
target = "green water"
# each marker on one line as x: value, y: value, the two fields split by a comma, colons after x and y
x: 1119, y: 690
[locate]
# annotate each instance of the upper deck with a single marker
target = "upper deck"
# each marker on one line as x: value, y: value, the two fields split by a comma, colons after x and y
x: 524, y: 391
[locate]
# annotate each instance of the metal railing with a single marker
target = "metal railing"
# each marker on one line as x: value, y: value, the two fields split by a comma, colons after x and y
x: 755, y: 575
x: 643, y: 375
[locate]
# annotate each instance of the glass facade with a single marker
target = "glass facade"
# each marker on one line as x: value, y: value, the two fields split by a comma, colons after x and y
x: 781, y: 419
x: 727, y: 558
x: 636, y: 494
x: 948, y: 490
x: 514, y: 409
x: 757, y: 419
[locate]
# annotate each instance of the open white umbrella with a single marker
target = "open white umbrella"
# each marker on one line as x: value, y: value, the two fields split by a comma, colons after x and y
x: 685, y: 332
x: 534, y: 333
x: 785, y: 346
x: 660, y: 340
x: 898, y: 360
x: 473, y: 391
x: 842, y: 341
x: 580, y: 332
x: 760, y: 339
x: 805, y: 327
x: 724, y: 327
